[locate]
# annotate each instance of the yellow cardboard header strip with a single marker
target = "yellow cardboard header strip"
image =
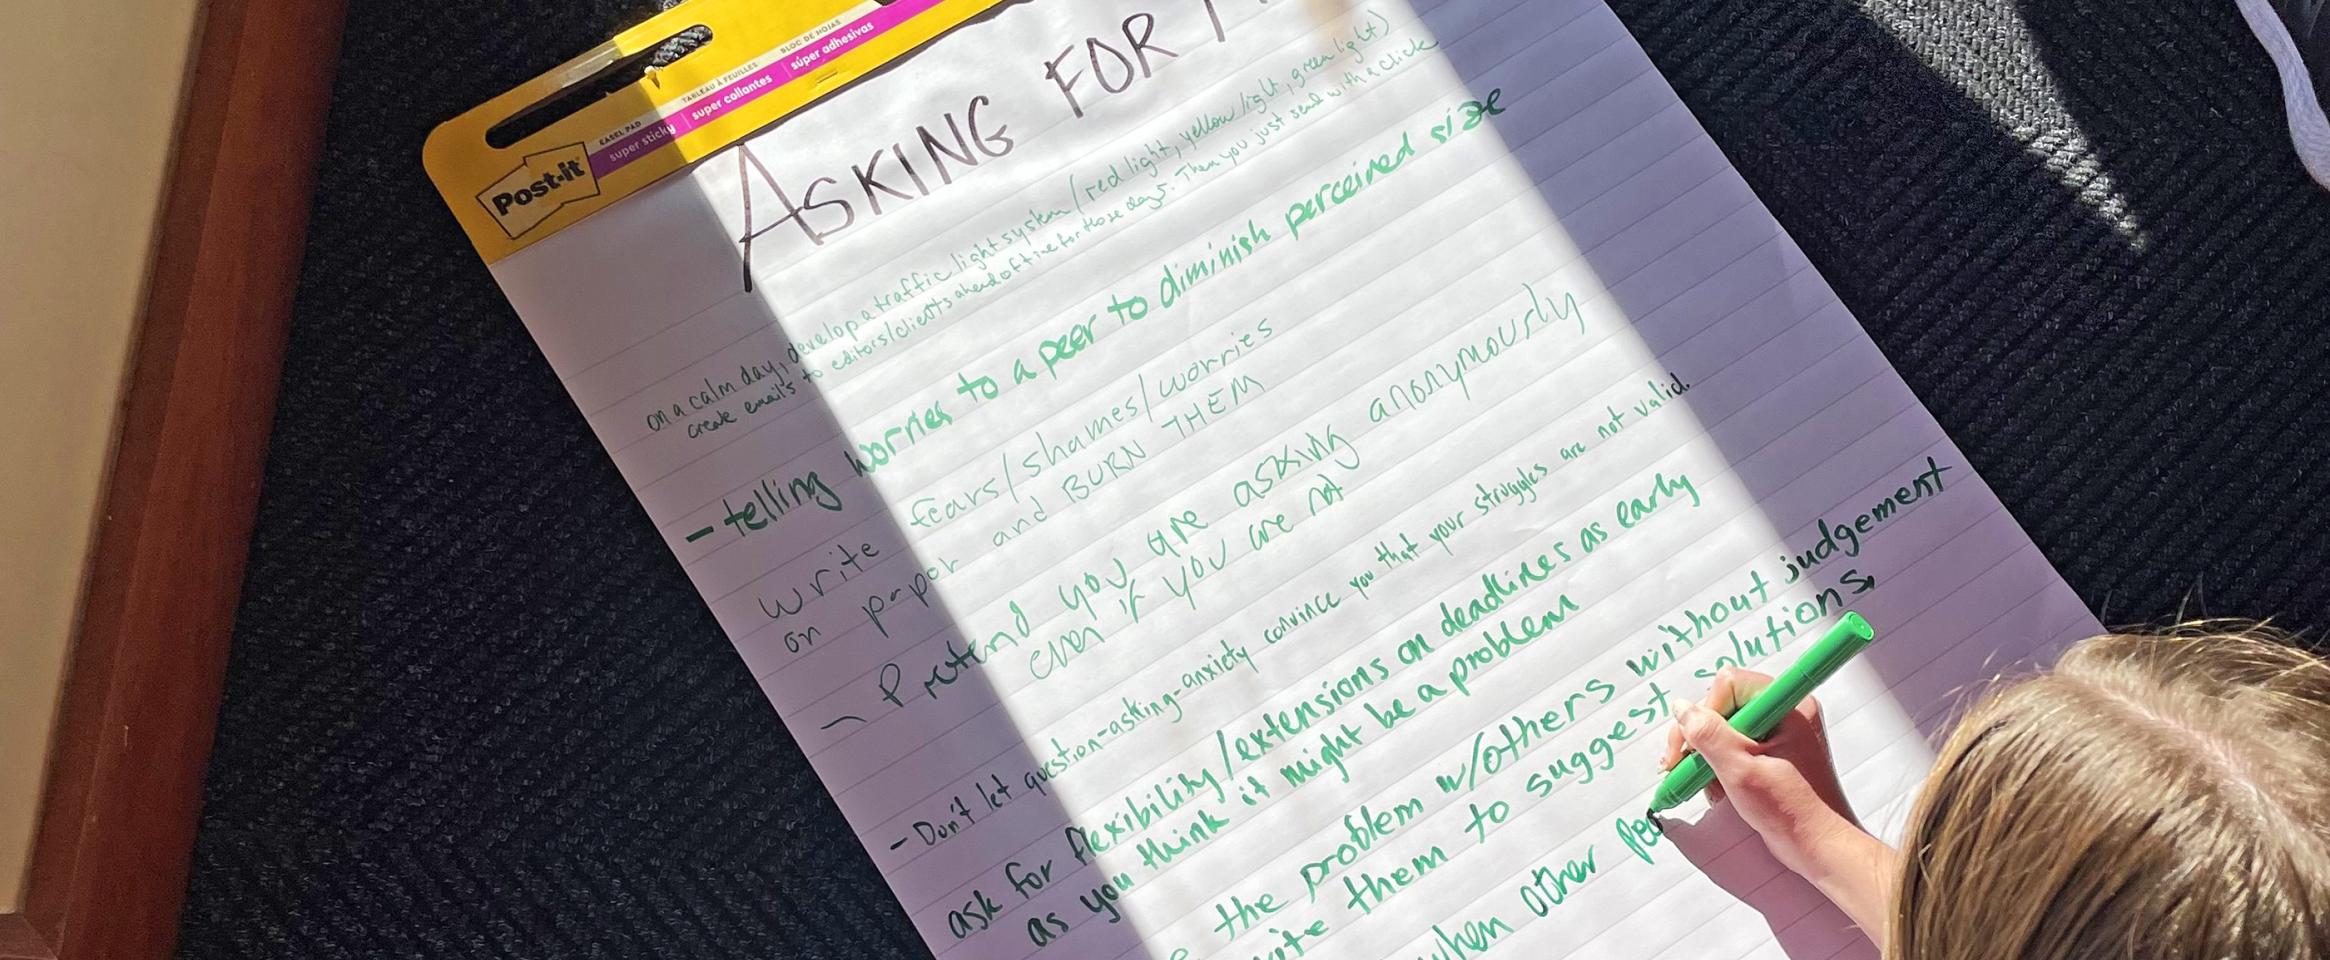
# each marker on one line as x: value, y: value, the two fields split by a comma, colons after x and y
x: 764, y: 61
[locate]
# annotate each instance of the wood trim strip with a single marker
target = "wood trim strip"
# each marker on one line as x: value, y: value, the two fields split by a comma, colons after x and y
x: 124, y: 784
x: 18, y: 942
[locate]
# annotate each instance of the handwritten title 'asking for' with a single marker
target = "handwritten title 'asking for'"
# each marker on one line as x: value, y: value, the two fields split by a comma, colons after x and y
x: 934, y: 154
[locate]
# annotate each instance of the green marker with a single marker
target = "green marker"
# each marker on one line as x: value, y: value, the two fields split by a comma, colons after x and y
x: 1762, y: 714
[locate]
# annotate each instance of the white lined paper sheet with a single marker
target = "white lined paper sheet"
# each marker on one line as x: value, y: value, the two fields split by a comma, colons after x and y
x: 1225, y: 479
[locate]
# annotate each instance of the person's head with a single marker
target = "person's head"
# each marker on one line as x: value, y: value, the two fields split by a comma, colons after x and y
x: 2152, y: 797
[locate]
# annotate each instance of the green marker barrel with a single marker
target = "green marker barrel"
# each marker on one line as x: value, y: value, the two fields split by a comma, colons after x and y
x: 1762, y: 713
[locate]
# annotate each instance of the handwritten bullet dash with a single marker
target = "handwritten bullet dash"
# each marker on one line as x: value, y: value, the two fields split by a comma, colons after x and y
x: 699, y: 535
x: 901, y: 842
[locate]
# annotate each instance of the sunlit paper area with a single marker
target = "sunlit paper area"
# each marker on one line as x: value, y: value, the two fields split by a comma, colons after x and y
x: 1255, y: 480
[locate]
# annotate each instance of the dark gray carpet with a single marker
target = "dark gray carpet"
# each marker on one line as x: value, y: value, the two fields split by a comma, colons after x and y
x: 474, y: 710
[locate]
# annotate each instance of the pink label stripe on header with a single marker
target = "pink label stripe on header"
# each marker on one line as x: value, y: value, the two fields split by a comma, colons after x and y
x: 755, y: 85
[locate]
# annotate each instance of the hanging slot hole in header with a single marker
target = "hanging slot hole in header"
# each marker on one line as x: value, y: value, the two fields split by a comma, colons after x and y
x: 596, y: 86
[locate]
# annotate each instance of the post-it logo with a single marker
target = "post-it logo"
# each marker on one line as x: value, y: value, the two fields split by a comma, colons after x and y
x: 548, y: 180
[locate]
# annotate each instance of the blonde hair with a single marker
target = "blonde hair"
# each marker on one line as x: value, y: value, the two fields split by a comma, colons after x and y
x: 2152, y: 797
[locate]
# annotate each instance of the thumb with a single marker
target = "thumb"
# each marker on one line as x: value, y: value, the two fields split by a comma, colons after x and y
x: 1710, y: 737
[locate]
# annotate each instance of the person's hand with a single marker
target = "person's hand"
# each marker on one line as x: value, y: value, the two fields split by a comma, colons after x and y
x: 1786, y: 788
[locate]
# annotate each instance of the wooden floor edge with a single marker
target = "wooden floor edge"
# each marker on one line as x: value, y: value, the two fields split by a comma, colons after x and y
x: 124, y: 784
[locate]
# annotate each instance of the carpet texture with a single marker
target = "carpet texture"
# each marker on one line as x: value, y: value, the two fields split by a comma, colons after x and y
x: 475, y: 710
